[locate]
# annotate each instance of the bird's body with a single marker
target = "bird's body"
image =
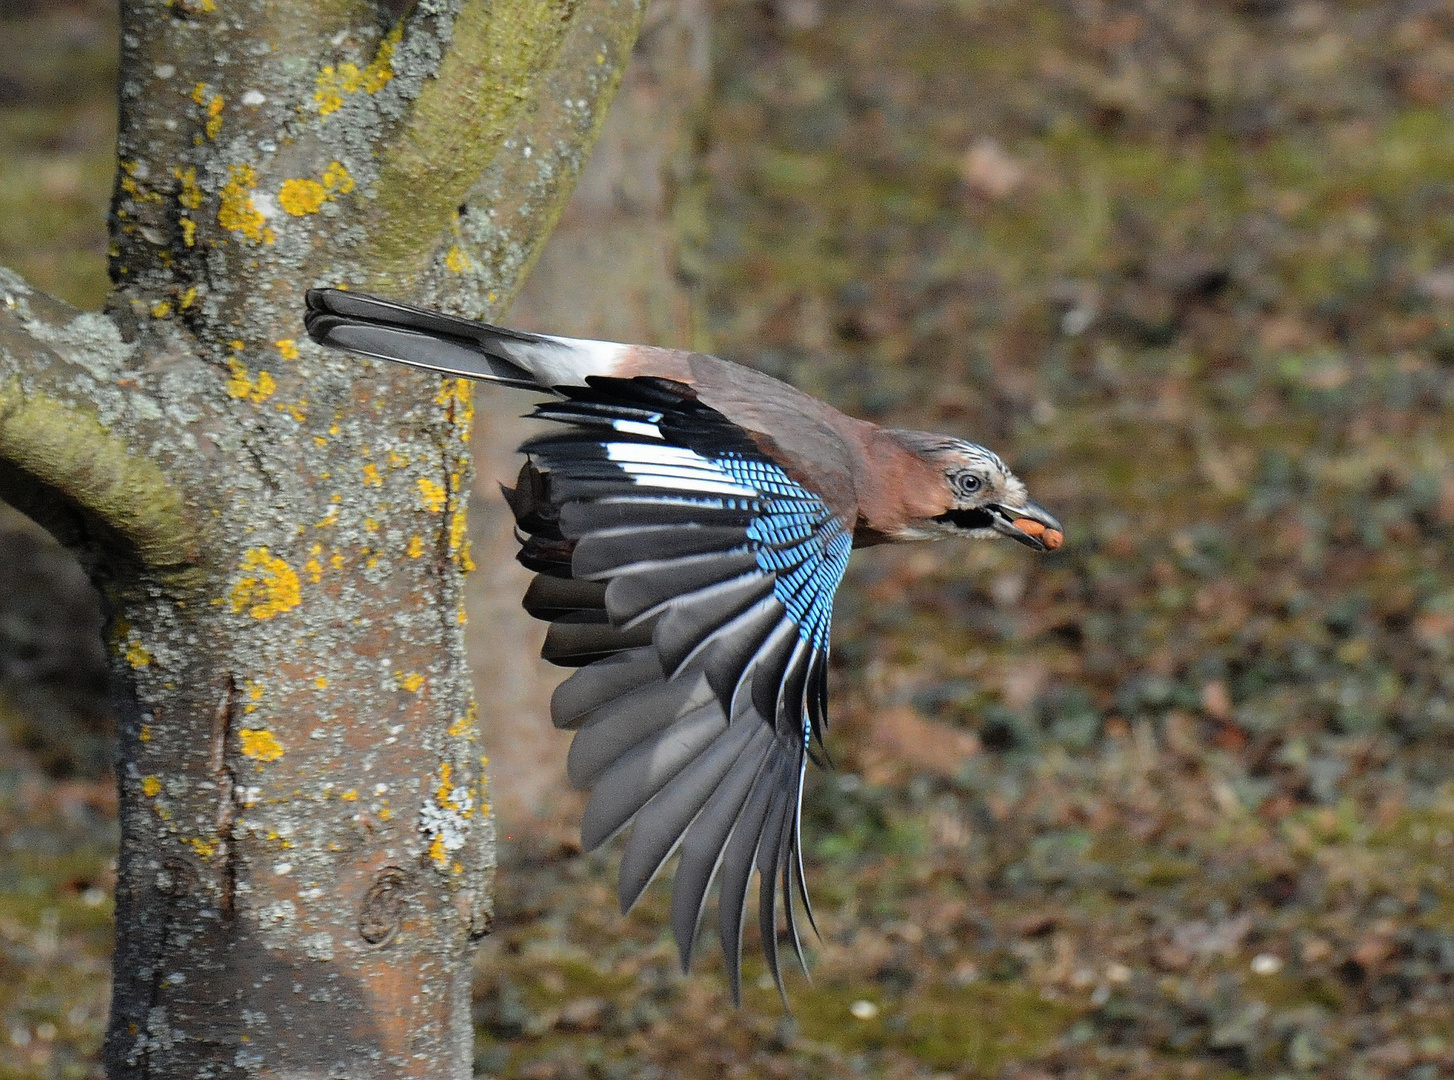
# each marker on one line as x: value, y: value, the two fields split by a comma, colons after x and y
x: 689, y: 525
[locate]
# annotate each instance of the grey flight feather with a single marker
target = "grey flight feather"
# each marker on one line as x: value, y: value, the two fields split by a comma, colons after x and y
x: 614, y: 728
x: 625, y: 786
x: 662, y: 823
x: 590, y: 687
x: 704, y: 843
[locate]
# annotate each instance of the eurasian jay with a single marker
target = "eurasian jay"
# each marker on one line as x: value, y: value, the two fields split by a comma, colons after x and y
x: 688, y: 524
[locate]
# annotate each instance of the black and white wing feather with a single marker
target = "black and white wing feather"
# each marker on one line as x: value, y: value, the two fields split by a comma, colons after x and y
x: 691, y: 582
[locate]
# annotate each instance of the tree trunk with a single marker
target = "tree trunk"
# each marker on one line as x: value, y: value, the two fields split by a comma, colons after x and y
x: 279, y: 533
x: 609, y: 271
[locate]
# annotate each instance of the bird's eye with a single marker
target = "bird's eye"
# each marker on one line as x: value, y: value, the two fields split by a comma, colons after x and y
x: 968, y: 483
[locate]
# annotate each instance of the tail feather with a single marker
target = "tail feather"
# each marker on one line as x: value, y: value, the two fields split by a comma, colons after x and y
x: 451, y: 345
x: 351, y: 305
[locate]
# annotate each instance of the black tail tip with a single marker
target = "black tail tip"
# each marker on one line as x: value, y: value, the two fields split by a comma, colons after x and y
x: 319, y: 316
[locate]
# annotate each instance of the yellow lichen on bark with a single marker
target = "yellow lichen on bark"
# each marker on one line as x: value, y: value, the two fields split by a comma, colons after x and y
x: 381, y: 68
x: 243, y: 386
x: 336, y: 178
x: 433, y: 494
x: 458, y: 398
x: 259, y: 744
x: 137, y: 654
x: 458, y: 526
x: 466, y: 725
x: 348, y: 78
x: 212, y: 103
x: 446, y: 821
x: 191, y: 194
x: 269, y: 587
x: 302, y: 196
x: 237, y: 213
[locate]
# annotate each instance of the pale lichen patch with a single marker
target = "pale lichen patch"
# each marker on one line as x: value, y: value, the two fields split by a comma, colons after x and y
x: 445, y: 819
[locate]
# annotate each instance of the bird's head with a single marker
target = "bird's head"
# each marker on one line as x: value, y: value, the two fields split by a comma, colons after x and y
x: 982, y: 497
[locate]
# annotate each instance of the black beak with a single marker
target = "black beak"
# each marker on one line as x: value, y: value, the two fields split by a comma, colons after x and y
x: 1031, y: 525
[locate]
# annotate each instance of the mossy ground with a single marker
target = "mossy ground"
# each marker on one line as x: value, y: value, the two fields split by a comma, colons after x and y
x: 1175, y: 801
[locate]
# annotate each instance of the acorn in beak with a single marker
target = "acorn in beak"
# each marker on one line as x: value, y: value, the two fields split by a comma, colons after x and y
x: 1031, y: 525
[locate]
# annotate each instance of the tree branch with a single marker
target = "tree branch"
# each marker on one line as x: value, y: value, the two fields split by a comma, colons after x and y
x: 495, y: 185
x: 65, y: 380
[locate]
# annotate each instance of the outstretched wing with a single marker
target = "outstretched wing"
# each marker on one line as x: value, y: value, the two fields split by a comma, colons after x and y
x: 691, y: 580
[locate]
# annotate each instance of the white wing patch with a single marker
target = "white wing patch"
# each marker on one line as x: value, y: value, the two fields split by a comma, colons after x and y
x: 637, y: 427
x: 661, y: 466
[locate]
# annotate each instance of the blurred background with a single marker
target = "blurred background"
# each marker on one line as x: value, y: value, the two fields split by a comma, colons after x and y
x: 1173, y: 801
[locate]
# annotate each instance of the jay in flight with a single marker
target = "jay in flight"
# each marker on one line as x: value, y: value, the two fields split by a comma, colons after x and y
x: 688, y: 522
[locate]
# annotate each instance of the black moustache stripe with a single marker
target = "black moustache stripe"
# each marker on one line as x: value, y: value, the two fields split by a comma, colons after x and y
x: 967, y: 519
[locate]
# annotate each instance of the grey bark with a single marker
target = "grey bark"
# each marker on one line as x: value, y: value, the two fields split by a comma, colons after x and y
x: 306, y: 846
